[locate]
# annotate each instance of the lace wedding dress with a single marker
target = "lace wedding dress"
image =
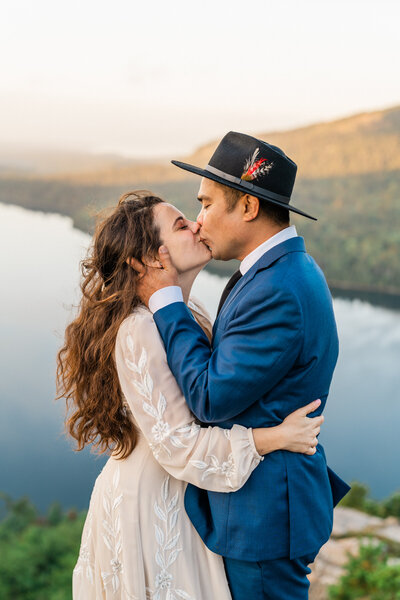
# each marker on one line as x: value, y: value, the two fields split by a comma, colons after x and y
x: 138, y: 542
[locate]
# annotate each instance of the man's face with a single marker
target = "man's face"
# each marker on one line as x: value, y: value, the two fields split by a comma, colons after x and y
x: 220, y: 230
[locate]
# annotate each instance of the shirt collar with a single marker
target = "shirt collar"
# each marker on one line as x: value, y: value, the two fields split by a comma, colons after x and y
x: 278, y: 238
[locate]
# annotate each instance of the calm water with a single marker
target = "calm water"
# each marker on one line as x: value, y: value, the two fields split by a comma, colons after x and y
x: 39, y: 256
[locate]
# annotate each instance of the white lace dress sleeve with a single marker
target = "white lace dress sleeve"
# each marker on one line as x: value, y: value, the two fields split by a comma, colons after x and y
x: 212, y: 458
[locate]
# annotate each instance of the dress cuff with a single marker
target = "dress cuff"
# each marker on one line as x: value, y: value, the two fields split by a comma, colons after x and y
x: 252, y: 444
x: 164, y: 297
x: 244, y: 452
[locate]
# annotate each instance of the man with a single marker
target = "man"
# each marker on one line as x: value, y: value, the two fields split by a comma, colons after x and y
x: 274, y: 347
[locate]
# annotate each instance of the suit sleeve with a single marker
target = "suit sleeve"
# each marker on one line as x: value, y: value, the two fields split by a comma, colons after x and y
x: 256, y: 350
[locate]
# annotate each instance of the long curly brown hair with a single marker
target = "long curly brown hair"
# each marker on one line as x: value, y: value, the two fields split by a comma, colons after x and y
x: 86, y: 373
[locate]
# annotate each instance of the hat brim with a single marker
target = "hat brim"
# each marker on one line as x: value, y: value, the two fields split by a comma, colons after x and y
x: 239, y: 187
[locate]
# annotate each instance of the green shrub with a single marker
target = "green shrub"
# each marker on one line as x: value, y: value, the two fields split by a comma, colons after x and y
x: 392, y: 505
x: 368, y: 576
x: 37, y: 553
x: 358, y: 497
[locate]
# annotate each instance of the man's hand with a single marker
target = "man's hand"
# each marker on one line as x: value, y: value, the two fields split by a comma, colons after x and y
x: 153, y: 278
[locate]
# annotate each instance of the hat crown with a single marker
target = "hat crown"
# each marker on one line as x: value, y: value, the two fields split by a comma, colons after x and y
x: 255, y: 161
x: 251, y: 166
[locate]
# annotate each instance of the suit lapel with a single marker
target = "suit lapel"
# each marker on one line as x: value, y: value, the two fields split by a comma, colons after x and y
x: 295, y: 244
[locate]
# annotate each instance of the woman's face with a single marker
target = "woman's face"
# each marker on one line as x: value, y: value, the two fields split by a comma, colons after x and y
x: 181, y: 237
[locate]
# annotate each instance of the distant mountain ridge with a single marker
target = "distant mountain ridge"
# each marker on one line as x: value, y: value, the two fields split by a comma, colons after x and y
x: 40, y: 162
x: 348, y: 177
x: 363, y: 143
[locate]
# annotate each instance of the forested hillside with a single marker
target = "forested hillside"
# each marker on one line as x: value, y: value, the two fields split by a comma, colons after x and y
x: 348, y: 177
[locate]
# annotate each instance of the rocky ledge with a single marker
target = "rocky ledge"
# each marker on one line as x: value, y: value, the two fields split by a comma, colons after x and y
x: 351, y: 528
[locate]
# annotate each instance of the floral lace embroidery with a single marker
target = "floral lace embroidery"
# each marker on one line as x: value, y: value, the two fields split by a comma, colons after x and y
x: 161, y: 430
x: 84, y: 565
x: 111, y: 537
x: 112, y: 533
x: 227, y: 468
x: 167, y: 537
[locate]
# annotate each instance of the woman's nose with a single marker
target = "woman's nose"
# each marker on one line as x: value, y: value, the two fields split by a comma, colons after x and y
x: 194, y: 226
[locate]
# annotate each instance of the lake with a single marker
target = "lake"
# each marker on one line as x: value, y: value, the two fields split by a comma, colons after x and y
x: 39, y: 269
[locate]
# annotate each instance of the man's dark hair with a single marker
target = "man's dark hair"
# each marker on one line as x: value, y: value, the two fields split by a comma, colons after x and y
x: 275, y: 213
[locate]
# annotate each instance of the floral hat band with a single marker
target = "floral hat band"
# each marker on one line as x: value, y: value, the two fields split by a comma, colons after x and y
x: 248, y: 186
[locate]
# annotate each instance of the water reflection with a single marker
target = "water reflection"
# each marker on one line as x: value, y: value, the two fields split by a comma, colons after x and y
x: 39, y: 273
x: 39, y: 265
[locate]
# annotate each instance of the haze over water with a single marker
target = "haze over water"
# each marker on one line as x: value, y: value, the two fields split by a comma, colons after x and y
x: 39, y: 269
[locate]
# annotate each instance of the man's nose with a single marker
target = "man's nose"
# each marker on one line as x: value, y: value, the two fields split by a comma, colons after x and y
x: 200, y: 218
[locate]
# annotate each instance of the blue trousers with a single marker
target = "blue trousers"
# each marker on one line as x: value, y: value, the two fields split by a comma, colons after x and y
x: 280, y: 579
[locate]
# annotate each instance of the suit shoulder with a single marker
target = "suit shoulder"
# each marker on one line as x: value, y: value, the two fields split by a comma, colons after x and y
x: 267, y: 298
x: 294, y: 271
x: 277, y: 281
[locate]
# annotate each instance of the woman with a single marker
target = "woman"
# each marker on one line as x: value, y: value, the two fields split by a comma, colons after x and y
x: 138, y: 542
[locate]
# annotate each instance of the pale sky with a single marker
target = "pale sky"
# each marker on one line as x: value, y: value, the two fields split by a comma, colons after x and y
x: 161, y: 77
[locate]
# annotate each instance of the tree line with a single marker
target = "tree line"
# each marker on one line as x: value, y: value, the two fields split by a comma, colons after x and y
x: 356, y: 240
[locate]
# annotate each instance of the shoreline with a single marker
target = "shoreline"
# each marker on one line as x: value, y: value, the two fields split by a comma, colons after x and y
x: 346, y: 286
x: 385, y: 296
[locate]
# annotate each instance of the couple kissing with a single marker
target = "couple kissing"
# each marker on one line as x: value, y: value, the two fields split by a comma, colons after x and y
x: 216, y: 486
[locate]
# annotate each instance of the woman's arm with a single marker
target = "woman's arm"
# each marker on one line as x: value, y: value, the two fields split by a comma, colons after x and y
x: 212, y: 458
x: 297, y: 433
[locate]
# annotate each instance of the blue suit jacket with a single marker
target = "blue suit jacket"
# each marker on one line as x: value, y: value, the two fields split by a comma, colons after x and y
x: 274, y: 350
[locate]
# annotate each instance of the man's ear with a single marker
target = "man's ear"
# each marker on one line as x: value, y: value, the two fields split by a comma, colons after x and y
x: 251, y: 207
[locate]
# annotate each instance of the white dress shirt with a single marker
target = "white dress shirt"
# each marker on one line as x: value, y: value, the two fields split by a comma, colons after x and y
x: 173, y: 293
x: 257, y: 253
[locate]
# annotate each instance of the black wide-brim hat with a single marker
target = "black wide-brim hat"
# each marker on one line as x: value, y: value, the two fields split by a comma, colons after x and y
x: 251, y: 166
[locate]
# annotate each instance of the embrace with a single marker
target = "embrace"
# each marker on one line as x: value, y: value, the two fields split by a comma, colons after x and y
x: 216, y: 487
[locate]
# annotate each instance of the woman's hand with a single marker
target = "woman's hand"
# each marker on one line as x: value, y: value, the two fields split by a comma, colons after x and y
x: 153, y: 279
x: 297, y: 433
